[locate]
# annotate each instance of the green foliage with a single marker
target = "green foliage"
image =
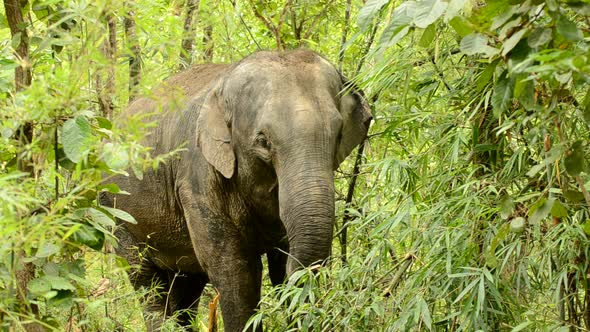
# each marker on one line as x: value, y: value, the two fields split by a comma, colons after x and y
x: 473, y: 209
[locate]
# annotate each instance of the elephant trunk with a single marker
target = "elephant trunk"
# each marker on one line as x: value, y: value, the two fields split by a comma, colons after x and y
x: 306, y: 196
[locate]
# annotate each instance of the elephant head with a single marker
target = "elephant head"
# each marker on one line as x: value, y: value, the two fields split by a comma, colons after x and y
x: 279, y: 124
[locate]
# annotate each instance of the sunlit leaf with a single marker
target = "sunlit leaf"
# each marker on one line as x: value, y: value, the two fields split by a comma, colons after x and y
x: 427, y: 36
x: 120, y: 214
x: 428, y: 11
x: 368, y: 12
x: 477, y: 43
x: 455, y: 6
x: 461, y: 26
x: 76, y: 138
x: 517, y: 224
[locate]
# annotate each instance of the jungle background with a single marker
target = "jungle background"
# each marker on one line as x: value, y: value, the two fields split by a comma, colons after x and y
x: 466, y: 209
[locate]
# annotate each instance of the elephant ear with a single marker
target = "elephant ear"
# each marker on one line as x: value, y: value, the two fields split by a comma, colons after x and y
x: 356, y: 116
x: 214, y: 135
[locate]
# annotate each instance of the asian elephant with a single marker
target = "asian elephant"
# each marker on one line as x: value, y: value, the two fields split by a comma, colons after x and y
x: 262, y: 137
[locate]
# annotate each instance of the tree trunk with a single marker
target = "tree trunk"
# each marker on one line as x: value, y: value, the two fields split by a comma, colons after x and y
x: 135, y: 56
x: 188, y: 36
x: 106, y: 90
x: 22, y: 80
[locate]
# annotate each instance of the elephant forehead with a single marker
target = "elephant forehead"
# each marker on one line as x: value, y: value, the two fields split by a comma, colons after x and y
x: 284, y: 76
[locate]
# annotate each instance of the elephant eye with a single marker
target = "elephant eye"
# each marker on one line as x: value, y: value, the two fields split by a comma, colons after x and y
x: 263, y: 141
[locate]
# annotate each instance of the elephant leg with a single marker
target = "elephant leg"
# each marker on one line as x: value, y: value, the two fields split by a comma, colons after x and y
x: 145, y: 276
x: 183, y: 294
x: 238, y: 280
x: 277, y: 265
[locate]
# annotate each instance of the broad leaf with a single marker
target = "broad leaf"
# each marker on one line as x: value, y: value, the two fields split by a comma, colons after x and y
x: 477, y: 43
x: 512, y: 41
x: 506, y: 206
x: 76, y: 138
x: 558, y: 210
x: 568, y: 29
x: 368, y: 12
x: 115, y: 156
x: 539, y: 37
x: 427, y: 36
x: 455, y: 6
x: 486, y: 75
x: 502, y: 96
x: 517, y: 224
x: 461, y: 26
x: 540, y: 210
x: 574, y: 161
x: 428, y: 11
x: 120, y: 214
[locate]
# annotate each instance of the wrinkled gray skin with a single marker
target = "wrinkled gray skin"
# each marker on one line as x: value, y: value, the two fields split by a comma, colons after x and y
x: 263, y: 138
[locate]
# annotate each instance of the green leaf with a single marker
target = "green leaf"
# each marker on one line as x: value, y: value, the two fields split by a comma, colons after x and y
x: 89, y: 236
x: 427, y: 36
x: 506, y: 206
x: 512, y: 41
x: 60, y: 283
x: 46, y: 250
x: 586, y: 227
x: 568, y: 29
x: 573, y: 196
x: 503, y: 17
x: 120, y: 214
x: 400, y: 24
x: 104, y: 123
x: 455, y: 6
x: 115, y: 156
x: 368, y: 12
x: 486, y: 75
x: 461, y: 26
x: 428, y: 11
x: 99, y: 217
x: 76, y: 138
x: 502, y: 96
x: 527, y: 95
x: 574, y: 160
x: 477, y: 43
x: 558, y: 210
x: 15, y: 40
x: 39, y: 286
x: 539, y: 37
x: 517, y: 224
x: 540, y: 210
x: 111, y: 188
x: 3, y: 21
x: 521, y: 326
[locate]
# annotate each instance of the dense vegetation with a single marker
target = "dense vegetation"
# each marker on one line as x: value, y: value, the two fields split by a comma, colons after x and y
x: 466, y: 209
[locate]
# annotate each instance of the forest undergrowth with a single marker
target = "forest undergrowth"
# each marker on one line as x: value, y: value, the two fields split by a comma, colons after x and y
x: 466, y: 209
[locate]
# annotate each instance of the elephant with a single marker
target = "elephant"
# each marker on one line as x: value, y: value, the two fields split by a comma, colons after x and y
x: 262, y: 138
